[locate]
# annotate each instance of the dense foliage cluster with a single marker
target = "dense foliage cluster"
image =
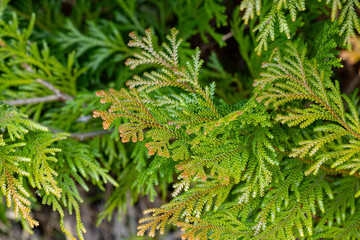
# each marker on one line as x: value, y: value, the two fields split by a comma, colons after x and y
x: 264, y: 148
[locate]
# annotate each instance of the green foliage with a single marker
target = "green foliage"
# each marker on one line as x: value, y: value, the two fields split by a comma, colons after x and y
x: 293, y: 77
x: 276, y: 159
x: 277, y: 14
x: 31, y: 158
x: 100, y: 46
x: 241, y: 174
x: 26, y: 159
x: 30, y: 72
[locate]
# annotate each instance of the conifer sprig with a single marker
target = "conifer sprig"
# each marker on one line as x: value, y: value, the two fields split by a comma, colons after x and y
x: 137, y: 106
x: 129, y: 105
x: 22, y: 163
x: 275, y: 17
x: 189, y: 204
x: 171, y: 74
x: 295, y: 77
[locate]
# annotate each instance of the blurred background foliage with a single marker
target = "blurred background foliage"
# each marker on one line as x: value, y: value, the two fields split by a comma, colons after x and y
x: 81, y: 45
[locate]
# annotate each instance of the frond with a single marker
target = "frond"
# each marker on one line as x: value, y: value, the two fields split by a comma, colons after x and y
x: 25, y: 157
x: 220, y: 225
x: 251, y: 8
x: 98, y: 45
x: 275, y: 17
x: 348, y: 19
x: 189, y: 204
x: 294, y: 77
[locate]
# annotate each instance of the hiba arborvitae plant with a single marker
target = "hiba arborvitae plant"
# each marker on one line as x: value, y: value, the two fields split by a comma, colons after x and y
x: 283, y: 164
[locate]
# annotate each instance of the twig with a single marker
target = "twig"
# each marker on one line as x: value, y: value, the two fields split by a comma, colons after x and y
x: 54, y: 89
x: 83, y: 136
x: 226, y: 37
x: 58, y: 96
x: 19, y: 102
x: 353, y: 84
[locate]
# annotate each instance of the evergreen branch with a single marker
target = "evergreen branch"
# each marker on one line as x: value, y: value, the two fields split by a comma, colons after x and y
x: 335, y: 215
x: 294, y: 76
x: 185, y: 77
x: 217, y: 226
x: 241, y: 147
x: 129, y: 104
x: 279, y: 226
x: 24, y: 62
x: 170, y: 213
x: 349, y: 230
x: 251, y: 9
x: 24, y: 136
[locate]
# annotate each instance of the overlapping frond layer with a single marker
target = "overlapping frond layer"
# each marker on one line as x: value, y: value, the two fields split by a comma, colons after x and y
x: 241, y: 168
